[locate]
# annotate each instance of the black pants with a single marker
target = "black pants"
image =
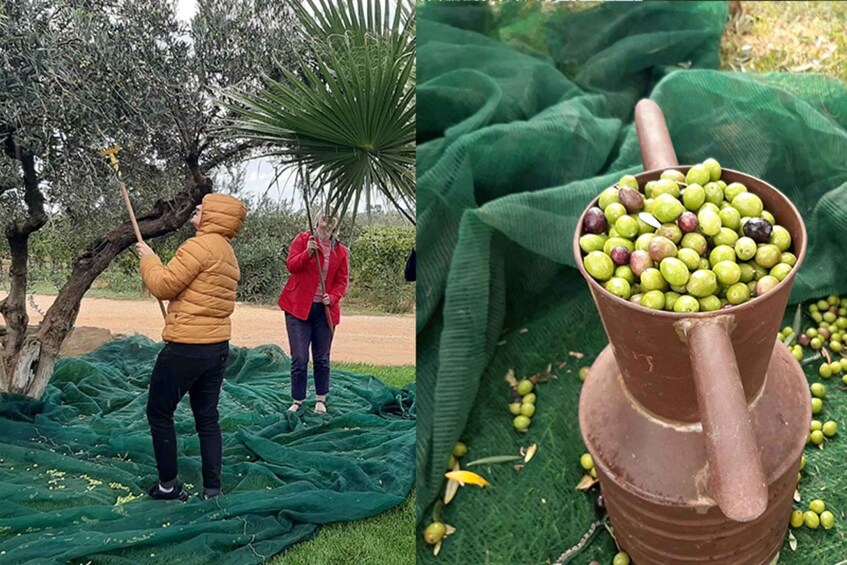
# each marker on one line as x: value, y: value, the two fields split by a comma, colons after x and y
x: 197, y: 369
x: 304, y: 333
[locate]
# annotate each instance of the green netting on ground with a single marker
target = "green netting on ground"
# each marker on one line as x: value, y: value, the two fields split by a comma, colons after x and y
x: 72, y: 463
x: 523, y: 117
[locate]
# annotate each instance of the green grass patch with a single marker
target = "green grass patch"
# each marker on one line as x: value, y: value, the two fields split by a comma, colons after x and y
x: 396, y: 376
x: 387, y: 538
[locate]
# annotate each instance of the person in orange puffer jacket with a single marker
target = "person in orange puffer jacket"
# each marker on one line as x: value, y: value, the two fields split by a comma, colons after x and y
x: 200, y: 282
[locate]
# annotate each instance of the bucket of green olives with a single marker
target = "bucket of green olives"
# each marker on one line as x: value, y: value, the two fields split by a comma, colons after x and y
x: 685, y: 242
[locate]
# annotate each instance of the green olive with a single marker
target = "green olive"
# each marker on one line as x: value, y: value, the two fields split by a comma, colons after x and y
x: 780, y: 237
x: 713, y: 167
x: 693, y: 197
x: 748, y: 204
x: 725, y: 237
x: 586, y: 461
x: 816, y: 437
x: 780, y: 271
x: 829, y: 428
x: 709, y: 221
x: 608, y: 196
x: 521, y: 422
x: 625, y: 272
x: 434, y: 533
x: 599, y: 265
x: 583, y: 372
x: 802, y: 462
x: 815, y: 425
x: 702, y: 283
x: 673, y: 174
x: 652, y: 279
x: 524, y: 387
x: 817, y: 506
x: 621, y: 558
x: 666, y: 208
x: 709, y: 303
x: 696, y: 242
x: 827, y: 519
x: 738, y: 293
x: 674, y: 271
x: 614, y: 211
x: 686, y: 304
x: 460, y: 449
x: 627, y: 227
x: 653, y: 299
x: 811, y: 520
x: 817, y: 405
x: 628, y: 180
x: 768, y: 255
x: 747, y: 272
x: 665, y: 186
x: 619, y: 287
x: 529, y: 398
x: 727, y: 272
x: 670, y: 300
x: 592, y: 242
x: 714, y: 192
x: 730, y: 218
x: 797, y: 519
x: 528, y: 409
x: 698, y: 174
x: 515, y: 408
x: 733, y: 189
x: 721, y: 253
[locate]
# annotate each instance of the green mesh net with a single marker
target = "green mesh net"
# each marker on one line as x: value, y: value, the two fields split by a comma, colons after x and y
x: 73, y: 465
x: 524, y: 115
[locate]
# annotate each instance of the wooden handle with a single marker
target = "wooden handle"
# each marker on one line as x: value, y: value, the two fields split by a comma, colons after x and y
x: 653, y: 137
x: 736, y: 479
x: 138, y: 235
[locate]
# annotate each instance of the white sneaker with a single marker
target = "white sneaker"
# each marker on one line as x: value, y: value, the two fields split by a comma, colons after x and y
x: 320, y: 407
x: 296, y: 406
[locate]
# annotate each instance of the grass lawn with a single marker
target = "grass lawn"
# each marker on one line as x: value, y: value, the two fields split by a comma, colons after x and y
x: 787, y: 36
x: 384, y: 539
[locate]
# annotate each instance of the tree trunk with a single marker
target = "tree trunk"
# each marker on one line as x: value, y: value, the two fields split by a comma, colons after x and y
x: 33, y: 366
x: 13, y: 307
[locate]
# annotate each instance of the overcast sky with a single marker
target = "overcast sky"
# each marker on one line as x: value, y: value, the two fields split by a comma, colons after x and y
x: 259, y: 172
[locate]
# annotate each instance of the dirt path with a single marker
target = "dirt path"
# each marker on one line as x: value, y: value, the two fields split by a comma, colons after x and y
x: 378, y: 340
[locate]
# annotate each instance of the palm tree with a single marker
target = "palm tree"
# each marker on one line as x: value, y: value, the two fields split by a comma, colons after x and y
x: 348, y: 120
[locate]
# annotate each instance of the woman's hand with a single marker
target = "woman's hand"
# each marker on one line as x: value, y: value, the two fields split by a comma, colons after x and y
x: 326, y: 299
x: 143, y: 250
x: 312, y: 246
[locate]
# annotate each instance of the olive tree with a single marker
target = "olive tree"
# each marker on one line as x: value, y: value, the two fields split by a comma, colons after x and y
x: 76, y: 77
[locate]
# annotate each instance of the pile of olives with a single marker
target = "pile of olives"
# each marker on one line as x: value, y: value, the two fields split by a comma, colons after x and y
x: 817, y: 515
x: 687, y: 243
x: 522, y: 406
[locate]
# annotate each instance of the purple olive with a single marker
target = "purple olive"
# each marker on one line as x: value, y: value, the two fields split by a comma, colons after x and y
x: 804, y: 340
x: 758, y: 229
x: 661, y: 247
x: 687, y: 222
x: 825, y: 333
x: 594, y: 221
x: 639, y: 261
x: 620, y: 255
x: 631, y: 199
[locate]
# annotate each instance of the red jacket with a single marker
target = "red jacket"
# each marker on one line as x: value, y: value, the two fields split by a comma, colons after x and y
x: 299, y: 292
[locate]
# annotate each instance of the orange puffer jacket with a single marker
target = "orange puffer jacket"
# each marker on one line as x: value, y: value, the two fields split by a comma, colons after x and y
x: 201, y: 280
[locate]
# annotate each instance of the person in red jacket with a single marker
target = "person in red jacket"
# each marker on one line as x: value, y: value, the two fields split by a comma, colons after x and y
x: 318, y: 265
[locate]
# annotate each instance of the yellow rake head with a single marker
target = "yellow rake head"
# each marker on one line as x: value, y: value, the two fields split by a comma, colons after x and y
x: 111, y: 156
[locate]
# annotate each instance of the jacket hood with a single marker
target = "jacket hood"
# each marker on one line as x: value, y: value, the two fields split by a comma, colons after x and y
x: 222, y: 214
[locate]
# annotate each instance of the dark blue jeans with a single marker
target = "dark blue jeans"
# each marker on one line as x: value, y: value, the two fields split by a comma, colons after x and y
x: 302, y: 334
x: 197, y: 369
